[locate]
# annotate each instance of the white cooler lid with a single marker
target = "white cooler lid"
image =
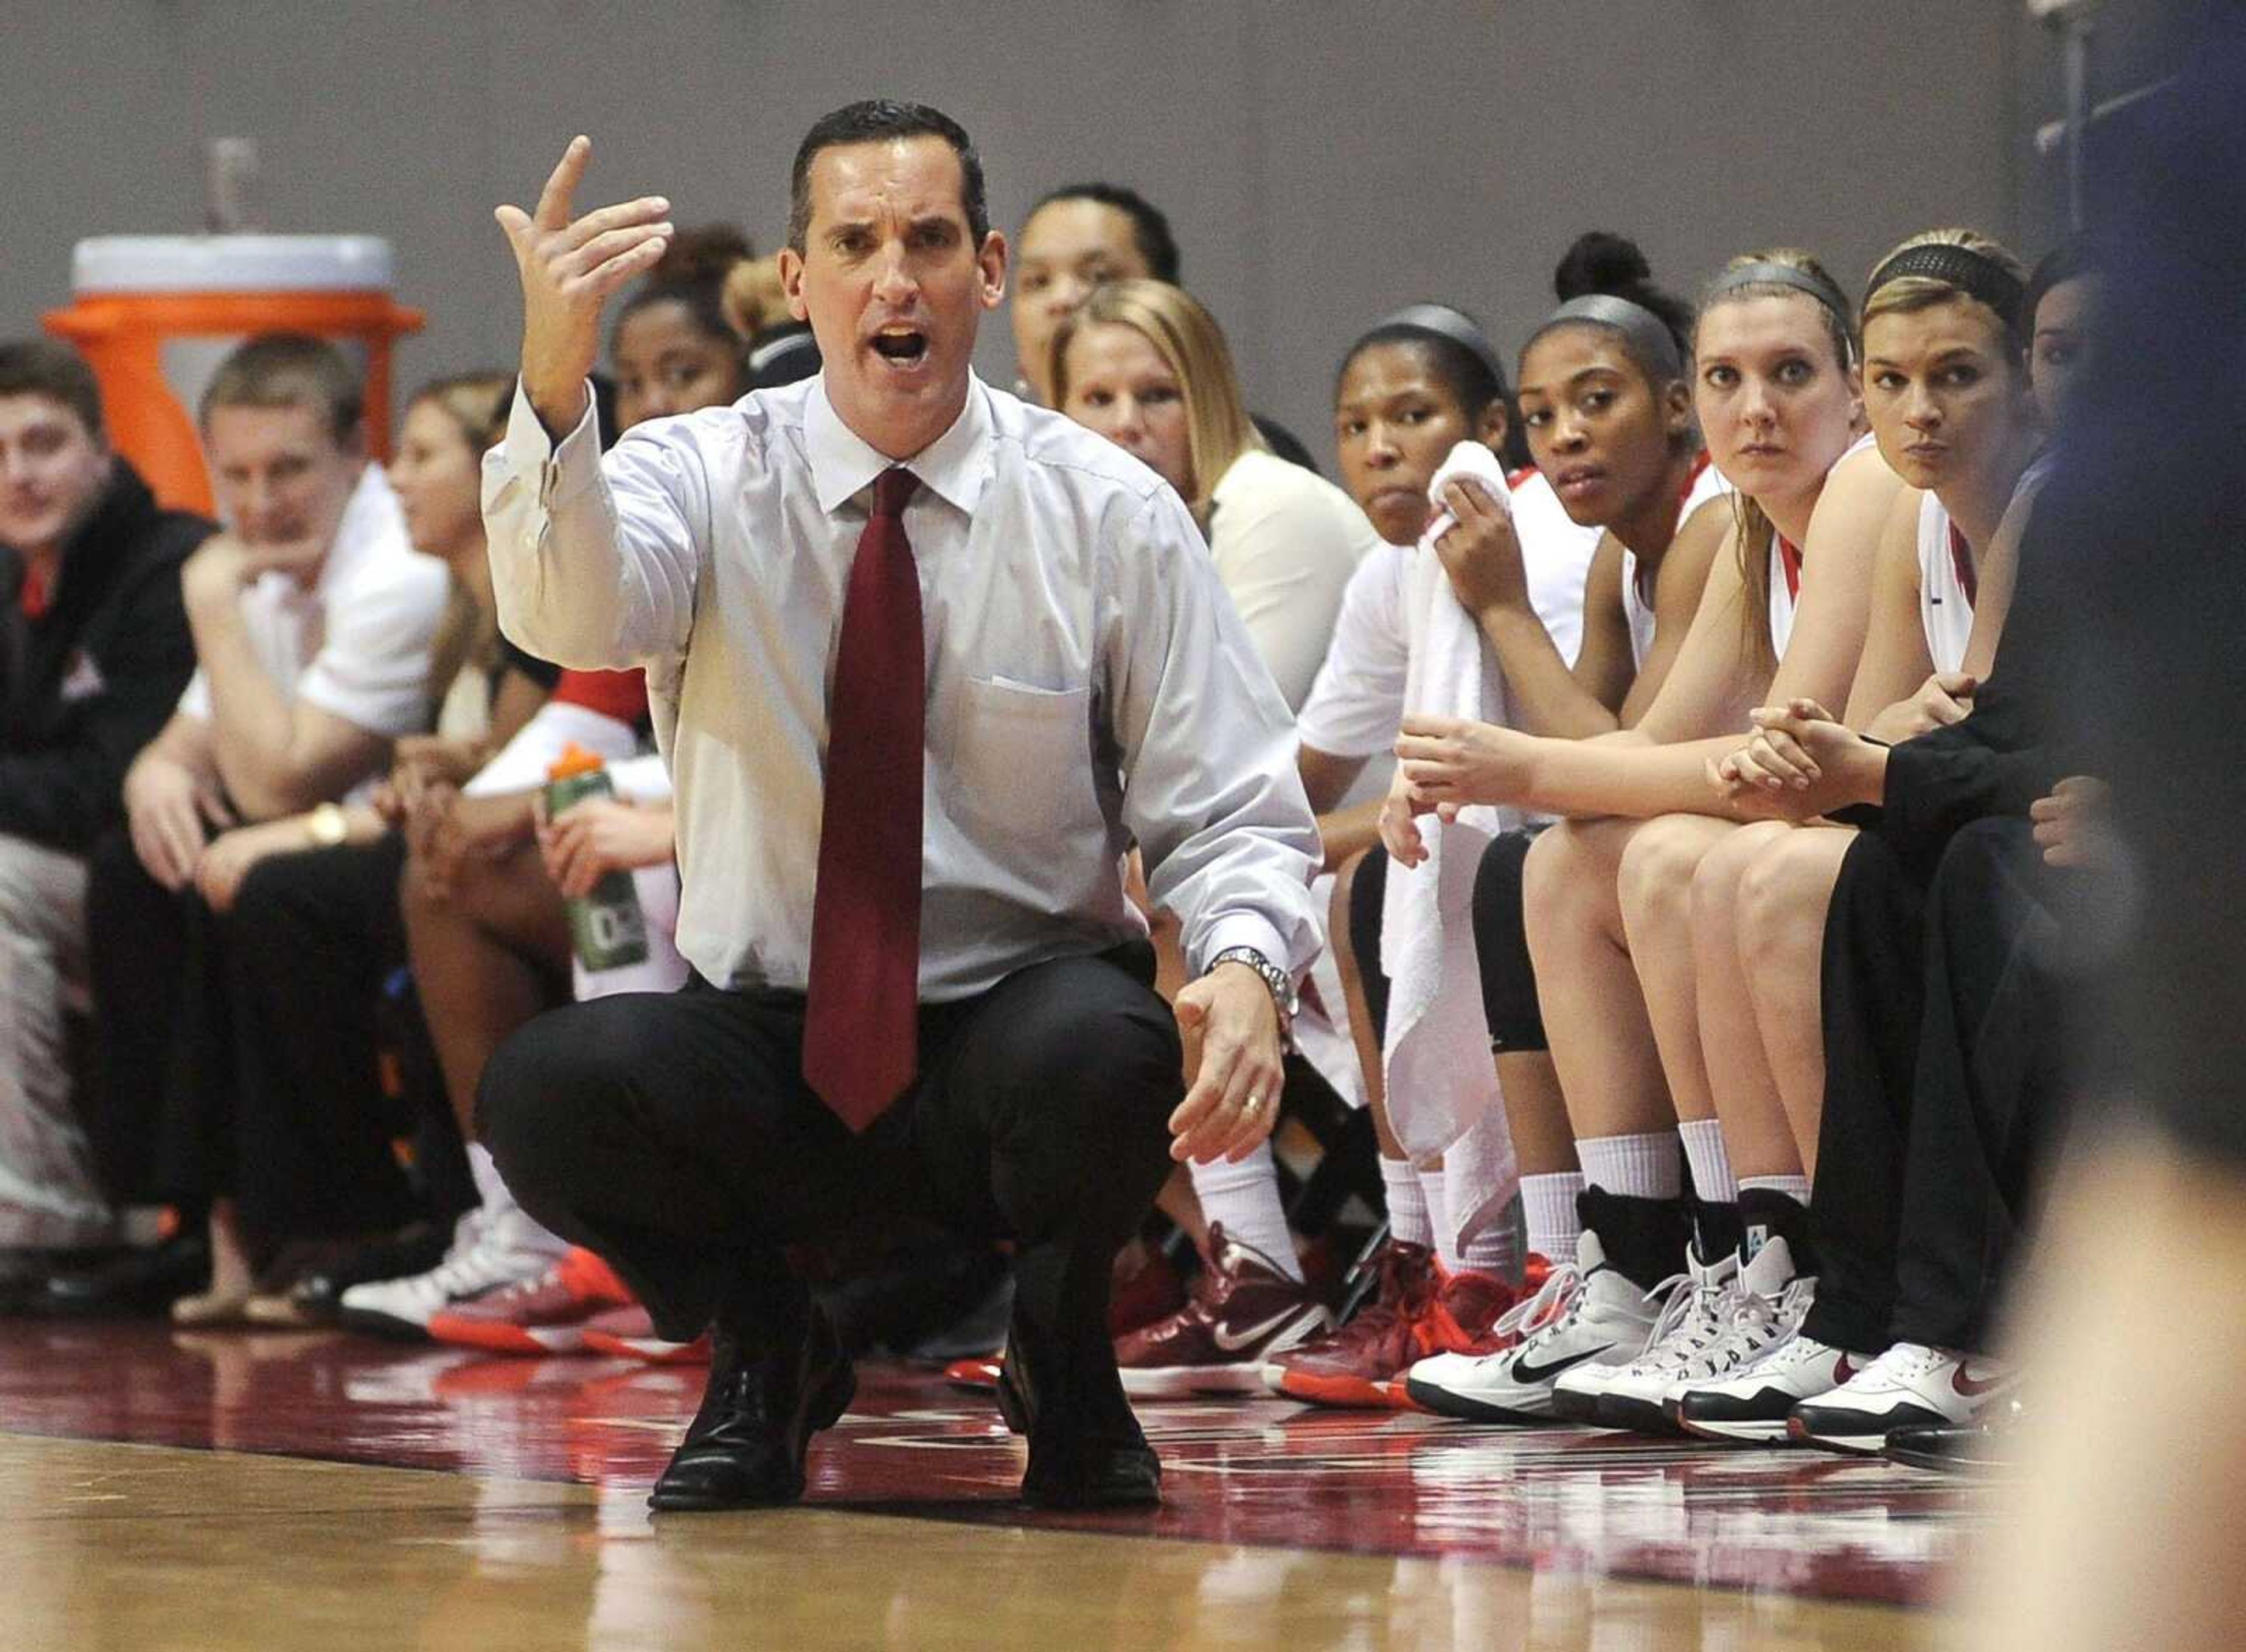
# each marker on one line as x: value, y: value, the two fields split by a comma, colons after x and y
x: 231, y: 263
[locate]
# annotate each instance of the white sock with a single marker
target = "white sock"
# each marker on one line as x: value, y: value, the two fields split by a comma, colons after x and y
x: 1407, y: 1204
x: 1795, y: 1188
x: 513, y: 1226
x: 1712, y: 1166
x: 1439, y: 1217
x: 1550, y: 1203
x: 1244, y: 1200
x: 1635, y: 1167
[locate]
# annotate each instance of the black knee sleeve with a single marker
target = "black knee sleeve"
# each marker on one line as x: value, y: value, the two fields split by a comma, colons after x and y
x: 1509, y: 978
x: 1368, y: 894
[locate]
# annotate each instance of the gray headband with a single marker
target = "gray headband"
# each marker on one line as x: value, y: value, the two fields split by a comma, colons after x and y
x: 1765, y: 273
x: 1453, y: 324
x: 1649, y: 336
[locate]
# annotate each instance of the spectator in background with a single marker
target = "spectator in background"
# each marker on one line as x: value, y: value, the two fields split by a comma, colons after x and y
x: 314, y: 622
x: 1142, y: 363
x: 1075, y: 238
x: 94, y: 652
x: 674, y: 347
x: 315, y: 929
x: 781, y: 348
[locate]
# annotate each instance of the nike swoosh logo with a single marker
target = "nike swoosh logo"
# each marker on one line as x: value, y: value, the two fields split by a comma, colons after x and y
x: 1524, y: 1372
x: 1233, y: 1342
x: 1973, y: 1388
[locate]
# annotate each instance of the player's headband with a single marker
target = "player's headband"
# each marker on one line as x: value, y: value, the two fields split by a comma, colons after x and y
x: 1973, y: 274
x: 1649, y: 338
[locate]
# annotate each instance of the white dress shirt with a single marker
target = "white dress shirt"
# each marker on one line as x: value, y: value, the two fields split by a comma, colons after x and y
x: 1089, y: 683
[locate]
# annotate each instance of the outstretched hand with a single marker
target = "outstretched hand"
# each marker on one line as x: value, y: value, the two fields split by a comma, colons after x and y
x: 570, y: 268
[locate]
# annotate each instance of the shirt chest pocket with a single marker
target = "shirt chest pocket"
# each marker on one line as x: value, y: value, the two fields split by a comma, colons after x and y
x: 1020, y: 764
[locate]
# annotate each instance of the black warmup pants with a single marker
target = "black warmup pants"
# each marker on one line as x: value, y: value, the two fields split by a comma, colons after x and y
x: 674, y: 1134
x: 237, y: 1052
x: 1944, y: 1088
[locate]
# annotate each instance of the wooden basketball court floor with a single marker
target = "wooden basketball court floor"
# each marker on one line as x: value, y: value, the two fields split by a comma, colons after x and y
x: 315, y: 1490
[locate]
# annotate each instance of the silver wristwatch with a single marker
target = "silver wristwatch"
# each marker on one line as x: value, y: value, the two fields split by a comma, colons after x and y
x: 1283, y: 996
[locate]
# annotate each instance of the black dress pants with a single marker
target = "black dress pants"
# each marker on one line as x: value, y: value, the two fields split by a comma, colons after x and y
x: 1941, y: 1090
x: 674, y: 1134
x: 1992, y: 1086
x: 237, y: 1051
x: 149, y: 955
x: 310, y: 944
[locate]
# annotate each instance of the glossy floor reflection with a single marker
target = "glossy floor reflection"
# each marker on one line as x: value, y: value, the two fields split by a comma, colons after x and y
x: 1288, y: 1528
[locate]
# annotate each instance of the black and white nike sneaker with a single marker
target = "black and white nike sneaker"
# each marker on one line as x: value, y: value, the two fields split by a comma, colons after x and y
x: 1586, y: 1315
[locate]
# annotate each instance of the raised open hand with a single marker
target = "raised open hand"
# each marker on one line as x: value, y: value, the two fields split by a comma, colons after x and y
x: 570, y: 268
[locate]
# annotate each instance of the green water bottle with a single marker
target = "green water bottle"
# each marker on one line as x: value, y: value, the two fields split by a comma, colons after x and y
x: 607, y: 927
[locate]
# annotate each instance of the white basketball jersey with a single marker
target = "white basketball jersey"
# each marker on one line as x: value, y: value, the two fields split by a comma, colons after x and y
x: 1637, y: 605
x: 1786, y: 572
x: 1555, y: 557
x: 1947, y: 585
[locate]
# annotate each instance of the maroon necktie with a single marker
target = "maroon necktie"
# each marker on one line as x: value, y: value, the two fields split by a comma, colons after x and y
x: 861, y: 1032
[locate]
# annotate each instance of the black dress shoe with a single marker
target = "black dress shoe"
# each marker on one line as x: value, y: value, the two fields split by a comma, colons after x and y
x: 745, y: 1447
x: 143, y: 1281
x: 1085, y: 1455
x: 25, y: 1269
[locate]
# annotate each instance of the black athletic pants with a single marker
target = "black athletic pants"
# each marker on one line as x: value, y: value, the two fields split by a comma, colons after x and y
x: 1943, y: 1087
x: 237, y: 1052
x: 674, y: 1134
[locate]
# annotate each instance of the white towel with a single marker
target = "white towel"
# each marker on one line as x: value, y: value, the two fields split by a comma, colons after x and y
x: 1440, y: 1079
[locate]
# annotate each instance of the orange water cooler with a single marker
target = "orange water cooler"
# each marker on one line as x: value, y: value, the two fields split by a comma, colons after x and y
x: 154, y: 316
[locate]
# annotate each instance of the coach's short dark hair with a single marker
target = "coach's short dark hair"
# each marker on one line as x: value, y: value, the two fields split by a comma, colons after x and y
x: 48, y: 367
x: 289, y: 370
x: 1157, y: 246
x: 877, y: 120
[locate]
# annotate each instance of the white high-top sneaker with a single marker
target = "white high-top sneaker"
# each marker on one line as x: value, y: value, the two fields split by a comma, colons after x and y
x: 1601, y: 1318
x: 484, y: 1257
x: 1909, y: 1386
x: 1767, y: 1309
x: 1694, y: 1319
x: 1755, y: 1401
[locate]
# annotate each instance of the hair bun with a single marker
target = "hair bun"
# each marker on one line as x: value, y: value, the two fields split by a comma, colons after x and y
x: 1600, y: 262
x: 706, y: 252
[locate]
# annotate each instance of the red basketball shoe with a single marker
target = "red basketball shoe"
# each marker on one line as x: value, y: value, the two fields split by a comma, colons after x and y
x: 544, y: 1315
x: 1242, y: 1311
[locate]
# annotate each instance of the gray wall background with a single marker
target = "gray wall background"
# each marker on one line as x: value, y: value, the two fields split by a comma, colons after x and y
x: 1322, y: 162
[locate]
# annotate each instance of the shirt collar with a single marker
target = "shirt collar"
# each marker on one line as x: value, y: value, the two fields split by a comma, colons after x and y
x: 954, y: 466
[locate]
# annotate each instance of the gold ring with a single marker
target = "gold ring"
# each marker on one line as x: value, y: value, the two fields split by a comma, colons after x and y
x: 1255, y: 1103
